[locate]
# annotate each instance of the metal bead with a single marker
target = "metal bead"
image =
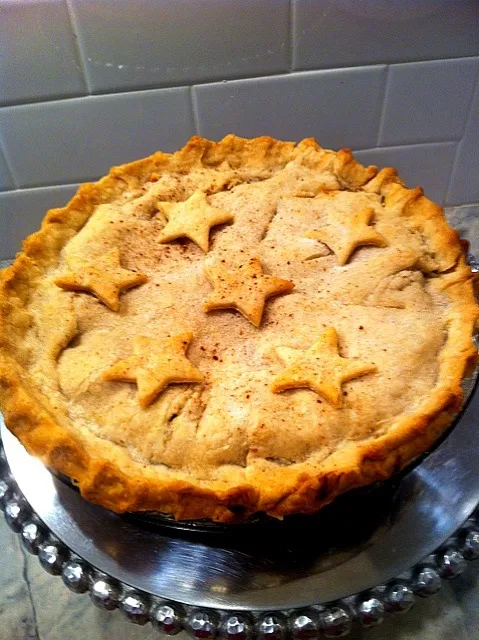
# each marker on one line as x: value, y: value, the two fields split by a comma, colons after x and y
x: 451, y: 564
x: 399, y: 599
x: 136, y: 607
x: 427, y: 582
x: 167, y: 618
x: 470, y: 546
x: 473, y: 263
x: 75, y: 576
x: 336, y: 622
x: 201, y: 624
x: 5, y: 493
x: 16, y: 514
x: 272, y: 626
x: 370, y: 612
x: 32, y: 536
x: 305, y: 626
x: 105, y: 594
x: 52, y: 557
x: 235, y: 627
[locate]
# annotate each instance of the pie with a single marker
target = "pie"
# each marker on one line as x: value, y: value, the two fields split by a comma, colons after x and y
x: 242, y: 326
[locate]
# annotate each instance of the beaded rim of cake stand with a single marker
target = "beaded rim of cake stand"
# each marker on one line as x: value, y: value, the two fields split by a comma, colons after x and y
x: 331, y: 620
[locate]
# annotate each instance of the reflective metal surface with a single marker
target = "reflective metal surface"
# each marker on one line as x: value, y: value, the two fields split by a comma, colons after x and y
x: 365, y: 538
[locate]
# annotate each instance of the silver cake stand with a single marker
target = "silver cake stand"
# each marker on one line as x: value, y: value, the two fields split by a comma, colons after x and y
x: 370, y: 553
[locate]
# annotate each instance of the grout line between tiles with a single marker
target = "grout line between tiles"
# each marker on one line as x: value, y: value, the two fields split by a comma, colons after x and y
x: 79, y: 46
x: 3, y: 151
x: 383, y: 110
x: 291, y: 31
x: 173, y: 85
x: 21, y: 102
x: 47, y: 186
x: 412, y: 144
x: 194, y: 110
x: 453, y: 171
x: 471, y: 103
x: 459, y: 145
x: 139, y: 89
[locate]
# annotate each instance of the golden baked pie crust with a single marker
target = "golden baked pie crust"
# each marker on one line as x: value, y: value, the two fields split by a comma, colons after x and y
x: 107, y: 472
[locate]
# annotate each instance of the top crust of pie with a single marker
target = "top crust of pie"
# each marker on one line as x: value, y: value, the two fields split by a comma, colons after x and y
x: 242, y: 326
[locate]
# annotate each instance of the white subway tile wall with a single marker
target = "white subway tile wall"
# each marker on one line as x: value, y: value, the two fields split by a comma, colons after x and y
x: 339, y: 108
x: 428, y: 101
x: 342, y: 33
x: 464, y: 185
x: 80, y: 139
x: 129, y: 44
x: 21, y: 213
x: 425, y: 165
x: 38, y: 57
x: 395, y: 81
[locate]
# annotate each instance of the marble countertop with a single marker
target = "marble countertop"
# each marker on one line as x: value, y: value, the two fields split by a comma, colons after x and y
x: 36, y: 606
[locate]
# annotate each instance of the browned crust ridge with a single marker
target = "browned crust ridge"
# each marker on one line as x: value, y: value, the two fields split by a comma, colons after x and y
x: 104, y: 472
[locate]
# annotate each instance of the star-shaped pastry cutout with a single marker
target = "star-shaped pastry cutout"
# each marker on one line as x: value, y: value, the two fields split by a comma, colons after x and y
x: 348, y: 233
x: 245, y: 289
x: 319, y: 368
x: 155, y: 365
x: 104, y: 277
x: 192, y: 219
